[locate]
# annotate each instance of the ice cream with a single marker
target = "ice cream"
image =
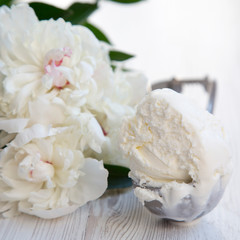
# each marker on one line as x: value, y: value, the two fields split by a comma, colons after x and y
x: 179, y: 158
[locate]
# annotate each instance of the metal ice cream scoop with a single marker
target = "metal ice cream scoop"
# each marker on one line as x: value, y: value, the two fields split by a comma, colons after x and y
x: 187, y: 211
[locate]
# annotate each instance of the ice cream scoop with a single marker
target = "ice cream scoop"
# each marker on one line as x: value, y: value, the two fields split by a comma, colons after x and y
x: 179, y: 158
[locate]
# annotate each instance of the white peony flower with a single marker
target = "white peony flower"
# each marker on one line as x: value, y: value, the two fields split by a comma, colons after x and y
x: 58, y: 75
x: 40, y: 57
x: 61, y: 106
x: 46, y: 175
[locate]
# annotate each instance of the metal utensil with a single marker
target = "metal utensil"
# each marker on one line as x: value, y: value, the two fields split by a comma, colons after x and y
x: 210, y: 87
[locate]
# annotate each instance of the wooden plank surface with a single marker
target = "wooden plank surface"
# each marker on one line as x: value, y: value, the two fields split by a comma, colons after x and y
x: 120, y: 216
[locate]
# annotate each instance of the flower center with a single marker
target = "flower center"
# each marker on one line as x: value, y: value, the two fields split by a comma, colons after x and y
x: 34, y: 169
x: 53, y: 66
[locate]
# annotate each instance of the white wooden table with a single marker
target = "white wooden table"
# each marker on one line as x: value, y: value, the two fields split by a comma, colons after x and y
x: 119, y: 215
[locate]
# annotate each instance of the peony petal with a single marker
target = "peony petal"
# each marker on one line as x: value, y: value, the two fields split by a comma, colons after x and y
x: 92, y: 185
x: 13, y: 125
x: 140, y: 82
x: 46, y: 214
x: 18, y: 184
x: 44, y: 112
x: 19, y: 18
x: 45, y: 147
x: 17, y: 194
x: 95, y: 135
x: 40, y: 196
x: 17, y: 81
x: 36, y: 131
x: 21, y: 99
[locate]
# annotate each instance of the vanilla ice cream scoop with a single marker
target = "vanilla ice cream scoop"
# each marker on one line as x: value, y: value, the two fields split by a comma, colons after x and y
x: 179, y: 159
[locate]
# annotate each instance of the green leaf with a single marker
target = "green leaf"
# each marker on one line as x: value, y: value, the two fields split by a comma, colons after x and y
x: 6, y: 2
x: 119, y: 182
x: 77, y: 13
x: 119, y: 56
x: 126, y: 1
x: 114, y: 67
x: 97, y: 32
x: 118, y: 176
x: 45, y: 11
x: 117, y: 171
